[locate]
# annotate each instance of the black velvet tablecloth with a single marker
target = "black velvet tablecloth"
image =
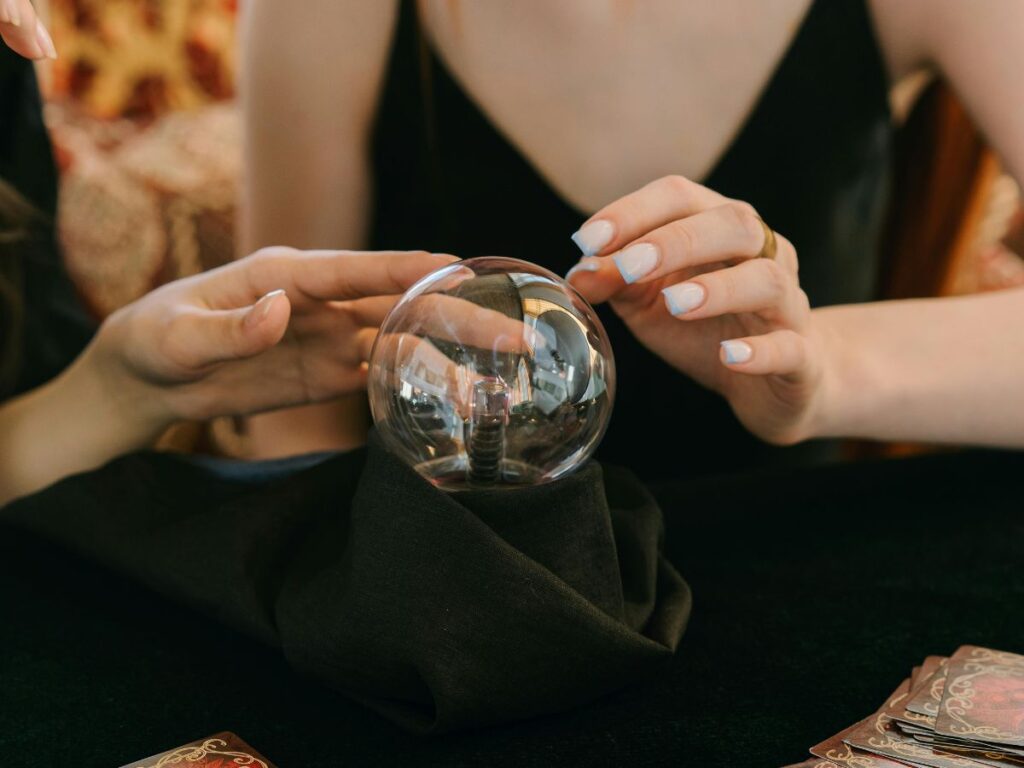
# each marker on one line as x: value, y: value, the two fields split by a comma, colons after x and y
x: 814, y: 593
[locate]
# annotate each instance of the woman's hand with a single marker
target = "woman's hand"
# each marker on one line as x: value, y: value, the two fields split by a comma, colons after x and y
x: 278, y: 328
x: 23, y: 32
x: 679, y: 263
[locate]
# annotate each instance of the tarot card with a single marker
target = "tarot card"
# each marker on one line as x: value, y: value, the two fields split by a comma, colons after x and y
x: 814, y: 762
x: 222, y: 750
x: 983, y: 698
x: 882, y: 735
x: 928, y: 668
x: 838, y: 752
x: 926, y: 700
x: 879, y: 736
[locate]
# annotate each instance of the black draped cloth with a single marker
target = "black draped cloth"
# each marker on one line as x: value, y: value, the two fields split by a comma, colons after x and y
x: 439, y: 611
x: 814, y: 592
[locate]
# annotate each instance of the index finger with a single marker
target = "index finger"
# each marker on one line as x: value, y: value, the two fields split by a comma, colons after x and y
x: 652, y: 206
x: 321, y: 275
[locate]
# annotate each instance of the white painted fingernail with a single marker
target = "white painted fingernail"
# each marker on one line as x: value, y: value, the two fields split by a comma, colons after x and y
x: 45, y: 41
x: 737, y: 351
x: 637, y: 261
x: 593, y: 236
x: 584, y: 265
x: 684, y: 297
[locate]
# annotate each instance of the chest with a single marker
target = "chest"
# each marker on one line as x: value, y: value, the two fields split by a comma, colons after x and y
x: 602, y: 96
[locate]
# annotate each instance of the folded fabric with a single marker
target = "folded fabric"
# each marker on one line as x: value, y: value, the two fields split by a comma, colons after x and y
x: 438, y: 610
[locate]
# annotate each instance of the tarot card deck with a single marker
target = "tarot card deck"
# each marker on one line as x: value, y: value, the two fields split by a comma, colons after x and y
x: 965, y: 711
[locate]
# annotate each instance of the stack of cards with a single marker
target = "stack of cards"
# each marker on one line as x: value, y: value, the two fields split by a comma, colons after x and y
x: 962, y: 712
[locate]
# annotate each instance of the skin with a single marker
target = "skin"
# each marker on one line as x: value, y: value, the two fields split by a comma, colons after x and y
x: 260, y: 333
x: 572, y: 83
x: 938, y: 370
x: 22, y: 30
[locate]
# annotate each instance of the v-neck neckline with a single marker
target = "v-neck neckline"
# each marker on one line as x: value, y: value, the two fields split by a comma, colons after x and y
x: 767, y: 91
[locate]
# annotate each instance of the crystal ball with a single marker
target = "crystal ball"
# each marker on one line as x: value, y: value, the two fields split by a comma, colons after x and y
x: 491, y: 373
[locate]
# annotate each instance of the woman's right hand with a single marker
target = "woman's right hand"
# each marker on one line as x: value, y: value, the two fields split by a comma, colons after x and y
x: 278, y: 328
x: 22, y: 30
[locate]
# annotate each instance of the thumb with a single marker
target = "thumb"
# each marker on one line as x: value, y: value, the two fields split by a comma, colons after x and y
x: 596, y: 278
x: 235, y: 334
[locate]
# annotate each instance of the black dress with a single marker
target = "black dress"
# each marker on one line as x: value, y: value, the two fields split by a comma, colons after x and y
x: 55, y: 327
x: 813, y: 158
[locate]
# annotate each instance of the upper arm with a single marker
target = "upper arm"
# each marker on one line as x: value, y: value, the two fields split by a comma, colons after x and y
x: 312, y: 72
x: 977, y: 47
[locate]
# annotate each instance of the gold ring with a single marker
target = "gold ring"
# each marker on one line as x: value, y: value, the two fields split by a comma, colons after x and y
x: 770, y: 244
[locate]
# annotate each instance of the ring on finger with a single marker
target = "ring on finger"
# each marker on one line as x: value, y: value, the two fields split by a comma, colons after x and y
x: 771, y: 245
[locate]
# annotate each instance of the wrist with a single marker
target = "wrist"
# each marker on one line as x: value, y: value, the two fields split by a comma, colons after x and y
x: 840, y: 404
x: 75, y: 422
x: 134, y: 412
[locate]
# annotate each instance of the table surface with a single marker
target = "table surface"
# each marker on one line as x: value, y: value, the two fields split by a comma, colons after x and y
x: 815, y: 591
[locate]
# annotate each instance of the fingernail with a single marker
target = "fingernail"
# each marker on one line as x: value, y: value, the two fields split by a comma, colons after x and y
x: 636, y: 261
x: 9, y: 8
x: 585, y: 265
x: 737, y: 351
x: 681, y: 298
x: 593, y: 236
x: 45, y: 41
x: 261, y: 308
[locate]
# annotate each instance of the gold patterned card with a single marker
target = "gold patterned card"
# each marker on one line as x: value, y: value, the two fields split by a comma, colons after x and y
x: 222, y: 750
x: 881, y: 735
x: 839, y: 753
x: 984, y: 697
x: 926, y: 699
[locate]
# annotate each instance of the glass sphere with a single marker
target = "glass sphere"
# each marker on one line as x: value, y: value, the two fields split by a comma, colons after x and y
x: 492, y: 373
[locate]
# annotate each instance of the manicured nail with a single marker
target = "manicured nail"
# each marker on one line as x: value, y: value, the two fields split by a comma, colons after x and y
x: 9, y: 12
x: 585, y: 265
x: 261, y: 308
x: 593, y: 236
x: 636, y: 261
x: 45, y: 41
x: 737, y: 351
x: 684, y: 297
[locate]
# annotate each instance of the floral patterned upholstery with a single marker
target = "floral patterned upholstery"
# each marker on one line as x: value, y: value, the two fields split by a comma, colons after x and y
x: 147, y: 140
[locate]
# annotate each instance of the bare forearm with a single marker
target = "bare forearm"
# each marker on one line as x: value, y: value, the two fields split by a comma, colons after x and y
x: 72, y: 424
x: 311, y: 77
x: 945, y: 370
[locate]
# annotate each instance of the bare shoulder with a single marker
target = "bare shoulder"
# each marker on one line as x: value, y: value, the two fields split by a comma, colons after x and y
x: 924, y: 33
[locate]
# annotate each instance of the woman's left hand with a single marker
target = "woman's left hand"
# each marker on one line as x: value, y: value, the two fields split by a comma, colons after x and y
x: 679, y: 264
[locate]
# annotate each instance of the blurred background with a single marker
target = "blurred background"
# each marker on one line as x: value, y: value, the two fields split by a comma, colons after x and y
x: 147, y: 133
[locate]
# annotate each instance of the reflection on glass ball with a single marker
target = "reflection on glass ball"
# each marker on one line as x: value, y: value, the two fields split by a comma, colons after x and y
x: 492, y: 373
